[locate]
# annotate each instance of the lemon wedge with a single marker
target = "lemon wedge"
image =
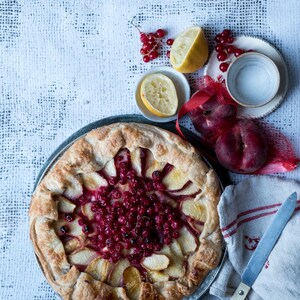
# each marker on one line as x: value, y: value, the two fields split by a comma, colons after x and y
x: 189, y: 51
x: 159, y: 95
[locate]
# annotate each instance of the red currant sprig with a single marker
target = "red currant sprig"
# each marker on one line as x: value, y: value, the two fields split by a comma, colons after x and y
x: 150, y: 43
x: 169, y: 43
x: 225, y: 49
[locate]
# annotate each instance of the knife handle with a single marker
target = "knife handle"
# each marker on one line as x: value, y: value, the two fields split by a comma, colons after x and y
x: 241, y: 292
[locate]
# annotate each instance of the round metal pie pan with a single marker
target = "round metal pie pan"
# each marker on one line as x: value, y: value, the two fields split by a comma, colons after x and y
x: 191, y: 137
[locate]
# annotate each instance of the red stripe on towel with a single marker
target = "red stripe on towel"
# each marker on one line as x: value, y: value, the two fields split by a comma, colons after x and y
x: 246, y: 212
x: 253, y: 218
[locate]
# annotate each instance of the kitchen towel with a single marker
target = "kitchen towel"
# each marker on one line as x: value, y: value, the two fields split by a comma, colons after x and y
x: 246, y: 210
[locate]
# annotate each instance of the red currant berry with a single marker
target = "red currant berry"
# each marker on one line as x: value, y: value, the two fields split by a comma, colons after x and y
x: 143, y: 37
x: 160, y: 33
x: 153, y: 45
x: 218, y: 38
x: 230, y: 49
x: 238, y: 52
x: 146, y: 58
x: 221, y: 56
x: 157, y: 175
x: 69, y: 217
x: 151, y: 37
x: 147, y: 47
x: 175, y: 234
x: 230, y: 39
x: 168, y: 54
x: 226, y: 32
x: 223, y: 67
x: 170, y: 42
x: 86, y: 229
x: 219, y: 48
x: 153, y: 55
x: 143, y: 51
x: 64, y: 229
x: 223, y: 41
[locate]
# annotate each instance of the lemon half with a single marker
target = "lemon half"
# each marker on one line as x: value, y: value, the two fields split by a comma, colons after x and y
x: 159, y: 95
x: 189, y: 51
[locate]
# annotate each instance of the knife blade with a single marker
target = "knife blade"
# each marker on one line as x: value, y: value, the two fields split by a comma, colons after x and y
x: 265, y: 247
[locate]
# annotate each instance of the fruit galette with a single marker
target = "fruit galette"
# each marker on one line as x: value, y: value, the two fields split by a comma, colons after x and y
x: 128, y: 212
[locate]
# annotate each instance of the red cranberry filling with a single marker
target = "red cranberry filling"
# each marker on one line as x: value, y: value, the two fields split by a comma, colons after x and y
x: 129, y: 219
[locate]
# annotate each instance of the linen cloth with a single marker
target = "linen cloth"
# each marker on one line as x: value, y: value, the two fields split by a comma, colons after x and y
x: 246, y: 210
x: 67, y: 63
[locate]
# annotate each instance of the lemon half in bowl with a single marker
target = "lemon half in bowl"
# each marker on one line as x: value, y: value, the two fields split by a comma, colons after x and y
x: 189, y: 51
x: 182, y: 88
x: 159, y: 95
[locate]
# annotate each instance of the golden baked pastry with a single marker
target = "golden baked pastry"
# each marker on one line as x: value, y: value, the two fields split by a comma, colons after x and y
x: 129, y: 211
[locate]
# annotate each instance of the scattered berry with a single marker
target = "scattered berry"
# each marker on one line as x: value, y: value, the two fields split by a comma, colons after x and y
x: 225, y: 50
x: 238, y: 52
x: 170, y: 42
x: 168, y: 54
x: 223, y: 67
x: 230, y: 49
x: 219, y: 48
x: 221, y: 56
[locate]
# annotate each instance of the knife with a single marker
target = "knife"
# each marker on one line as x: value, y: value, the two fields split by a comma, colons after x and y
x: 265, y: 247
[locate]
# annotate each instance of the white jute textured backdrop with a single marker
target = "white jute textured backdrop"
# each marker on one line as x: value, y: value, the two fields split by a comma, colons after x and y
x: 65, y: 64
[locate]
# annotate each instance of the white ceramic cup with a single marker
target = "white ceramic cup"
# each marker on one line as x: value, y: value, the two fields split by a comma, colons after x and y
x: 252, y: 79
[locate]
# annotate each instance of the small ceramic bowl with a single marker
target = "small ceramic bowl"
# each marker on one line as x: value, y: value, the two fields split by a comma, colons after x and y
x: 252, y: 79
x: 182, y: 89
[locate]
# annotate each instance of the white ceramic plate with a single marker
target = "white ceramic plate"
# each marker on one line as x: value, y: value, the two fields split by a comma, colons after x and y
x: 182, y: 88
x: 261, y: 46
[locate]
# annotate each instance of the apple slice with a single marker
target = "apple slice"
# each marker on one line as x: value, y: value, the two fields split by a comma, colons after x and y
x: 73, y: 187
x: 82, y: 257
x: 176, y: 249
x: 136, y: 163
x: 64, y: 205
x: 86, y: 210
x: 71, y: 245
x: 110, y: 168
x: 175, y: 180
x: 73, y: 228
x: 187, y: 241
x: 132, y: 282
x: 156, y: 262
x: 116, y: 275
x: 99, y: 268
x: 152, y: 165
x: 92, y: 181
x: 190, y: 189
x: 194, y: 209
x: 175, y: 267
x: 156, y: 276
